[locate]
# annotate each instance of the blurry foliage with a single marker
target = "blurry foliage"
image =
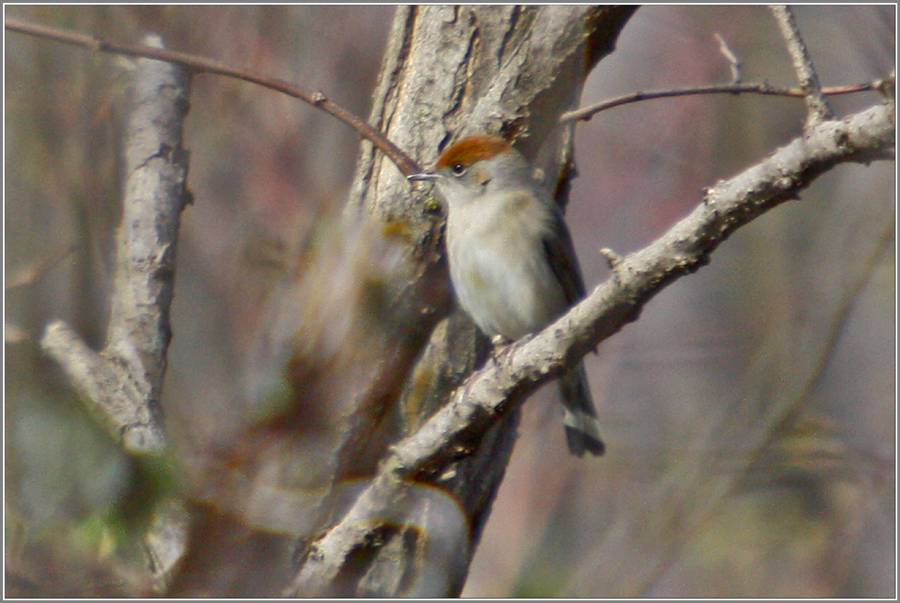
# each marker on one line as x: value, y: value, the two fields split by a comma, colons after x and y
x: 263, y: 169
x: 814, y: 515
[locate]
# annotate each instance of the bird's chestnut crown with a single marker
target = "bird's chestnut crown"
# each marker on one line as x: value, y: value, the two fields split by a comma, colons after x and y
x: 471, y: 150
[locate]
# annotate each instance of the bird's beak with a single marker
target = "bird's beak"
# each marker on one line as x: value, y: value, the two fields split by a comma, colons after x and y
x: 427, y: 175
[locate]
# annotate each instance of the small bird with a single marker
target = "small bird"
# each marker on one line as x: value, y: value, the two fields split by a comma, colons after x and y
x: 512, y: 263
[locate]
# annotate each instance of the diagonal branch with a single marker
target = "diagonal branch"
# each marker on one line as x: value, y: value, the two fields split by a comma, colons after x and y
x: 199, y: 64
x: 503, y: 383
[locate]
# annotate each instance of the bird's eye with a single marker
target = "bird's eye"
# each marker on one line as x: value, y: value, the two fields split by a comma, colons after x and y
x: 458, y: 169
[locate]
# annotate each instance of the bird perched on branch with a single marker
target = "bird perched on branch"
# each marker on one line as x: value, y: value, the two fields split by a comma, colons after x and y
x: 512, y: 263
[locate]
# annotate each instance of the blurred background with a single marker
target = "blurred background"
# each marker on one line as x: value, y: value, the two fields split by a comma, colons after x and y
x: 785, y: 344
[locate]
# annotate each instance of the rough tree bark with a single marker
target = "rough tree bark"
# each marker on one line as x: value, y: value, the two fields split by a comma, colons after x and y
x: 123, y: 382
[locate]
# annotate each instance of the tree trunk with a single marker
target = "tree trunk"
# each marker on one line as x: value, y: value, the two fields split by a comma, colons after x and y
x: 448, y: 72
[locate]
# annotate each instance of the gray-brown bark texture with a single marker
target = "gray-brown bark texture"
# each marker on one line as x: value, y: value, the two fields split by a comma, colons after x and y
x: 123, y: 382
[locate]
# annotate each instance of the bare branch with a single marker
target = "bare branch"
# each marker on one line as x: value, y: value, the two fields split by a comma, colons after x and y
x: 109, y: 390
x: 586, y: 113
x: 505, y: 381
x: 123, y: 382
x: 819, y: 108
x: 733, y: 63
x: 199, y: 64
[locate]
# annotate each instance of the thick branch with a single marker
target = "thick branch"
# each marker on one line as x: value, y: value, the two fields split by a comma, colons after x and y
x: 108, y: 389
x: 501, y: 385
x: 123, y: 382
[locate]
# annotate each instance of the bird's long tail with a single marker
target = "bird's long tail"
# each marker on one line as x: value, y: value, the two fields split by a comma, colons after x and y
x: 580, y: 421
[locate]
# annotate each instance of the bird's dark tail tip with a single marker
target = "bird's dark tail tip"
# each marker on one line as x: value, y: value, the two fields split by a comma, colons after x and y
x: 580, y: 442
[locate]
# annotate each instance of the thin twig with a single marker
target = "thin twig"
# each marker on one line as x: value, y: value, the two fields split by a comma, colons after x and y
x: 586, y: 113
x: 819, y: 108
x: 733, y: 63
x: 203, y: 65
